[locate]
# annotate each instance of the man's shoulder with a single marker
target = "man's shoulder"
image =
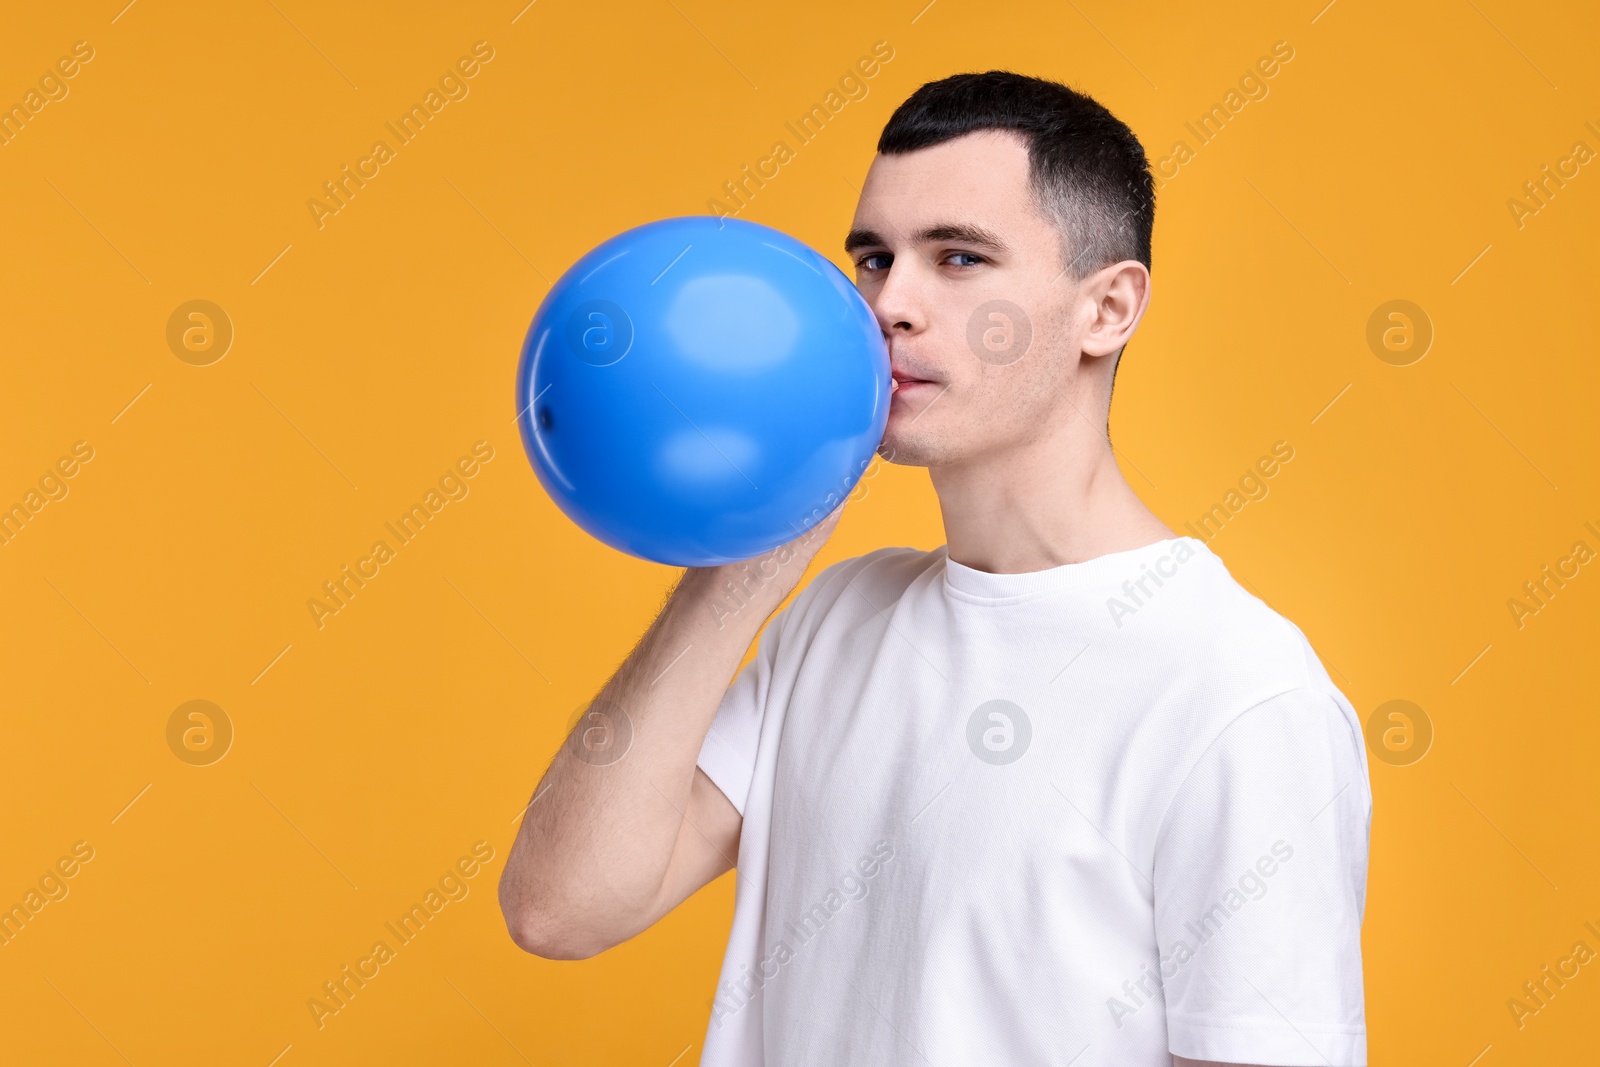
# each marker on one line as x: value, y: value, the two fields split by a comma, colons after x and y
x: 1226, y: 650
x: 881, y: 576
x: 1215, y: 625
x: 870, y: 582
x: 1244, y: 678
x: 883, y: 564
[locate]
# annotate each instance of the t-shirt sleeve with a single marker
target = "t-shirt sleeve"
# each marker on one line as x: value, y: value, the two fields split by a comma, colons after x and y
x: 1260, y: 888
x: 728, y: 754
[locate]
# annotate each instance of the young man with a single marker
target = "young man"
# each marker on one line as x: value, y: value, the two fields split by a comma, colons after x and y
x: 1059, y: 791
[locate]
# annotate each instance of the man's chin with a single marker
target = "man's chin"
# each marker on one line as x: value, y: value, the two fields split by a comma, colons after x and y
x: 904, y: 453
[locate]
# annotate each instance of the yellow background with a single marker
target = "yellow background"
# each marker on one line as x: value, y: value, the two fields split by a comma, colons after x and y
x: 371, y: 353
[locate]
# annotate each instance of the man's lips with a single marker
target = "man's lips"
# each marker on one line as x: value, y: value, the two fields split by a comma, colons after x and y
x: 900, y: 384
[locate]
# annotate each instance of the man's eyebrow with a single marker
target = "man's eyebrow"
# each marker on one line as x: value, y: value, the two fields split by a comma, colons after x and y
x: 966, y: 233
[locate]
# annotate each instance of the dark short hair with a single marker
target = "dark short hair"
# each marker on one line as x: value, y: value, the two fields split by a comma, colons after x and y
x: 1087, y: 170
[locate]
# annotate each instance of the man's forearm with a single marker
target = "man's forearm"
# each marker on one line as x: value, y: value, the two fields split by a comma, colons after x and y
x: 597, y: 838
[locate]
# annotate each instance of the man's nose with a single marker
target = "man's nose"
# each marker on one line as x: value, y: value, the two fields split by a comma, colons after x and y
x: 898, y: 302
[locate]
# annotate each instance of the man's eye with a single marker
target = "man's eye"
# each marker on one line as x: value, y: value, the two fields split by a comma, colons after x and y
x: 865, y: 262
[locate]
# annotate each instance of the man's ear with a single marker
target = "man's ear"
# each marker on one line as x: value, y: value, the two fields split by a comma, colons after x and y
x: 1116, y: 298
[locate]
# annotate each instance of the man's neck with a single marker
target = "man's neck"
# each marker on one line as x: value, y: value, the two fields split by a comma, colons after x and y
x: 1055, y: 500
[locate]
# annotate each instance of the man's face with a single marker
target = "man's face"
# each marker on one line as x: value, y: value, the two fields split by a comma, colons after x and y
x: 965, y: 279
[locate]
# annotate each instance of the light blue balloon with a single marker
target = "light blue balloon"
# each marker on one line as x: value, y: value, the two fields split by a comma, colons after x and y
x: 697, y: 391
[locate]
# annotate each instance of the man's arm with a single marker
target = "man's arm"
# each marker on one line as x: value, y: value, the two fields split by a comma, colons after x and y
x: 615, y: 837
x: 1260, y: 885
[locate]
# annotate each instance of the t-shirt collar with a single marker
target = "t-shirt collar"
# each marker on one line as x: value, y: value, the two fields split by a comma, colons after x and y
x: 969, y: 583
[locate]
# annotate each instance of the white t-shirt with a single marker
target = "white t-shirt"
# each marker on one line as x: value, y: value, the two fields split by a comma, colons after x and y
x: 1098, y: 814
